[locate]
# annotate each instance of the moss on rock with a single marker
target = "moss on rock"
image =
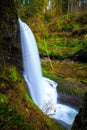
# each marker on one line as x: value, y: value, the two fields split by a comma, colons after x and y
x: 9, y: 45
x: 17, y: 110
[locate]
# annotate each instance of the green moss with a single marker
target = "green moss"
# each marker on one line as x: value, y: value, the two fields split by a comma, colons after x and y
x: 17, y: 110
x: 11, y: 119
x: 57, y: 47
x: 12, y: 75
x: 3, y: 99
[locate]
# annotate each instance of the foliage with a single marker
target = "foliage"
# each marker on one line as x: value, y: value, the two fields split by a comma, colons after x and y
x: 3, y: 99
x: 58, y: 47
x: 66, y: 37
x: 17, y: 110
x: 35, y: 7
x: 70, y: 22
x: 11, y: 119
x: 12, y: 74
x: 38, y: 26
x: 23, y: 12
x: 55, y: 8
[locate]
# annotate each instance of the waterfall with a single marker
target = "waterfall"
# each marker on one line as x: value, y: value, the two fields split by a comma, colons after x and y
x: 32, y: 67
x: 42, y: 90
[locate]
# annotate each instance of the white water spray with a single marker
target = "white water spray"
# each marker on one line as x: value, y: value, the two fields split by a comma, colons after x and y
x: 42, y: 90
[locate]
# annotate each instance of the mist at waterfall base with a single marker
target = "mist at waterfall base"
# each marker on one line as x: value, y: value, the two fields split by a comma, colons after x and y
x: 43, y: 90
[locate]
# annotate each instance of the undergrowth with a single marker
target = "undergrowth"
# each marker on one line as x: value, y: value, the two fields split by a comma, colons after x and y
x: 65, y: 38
x: 17, y: 110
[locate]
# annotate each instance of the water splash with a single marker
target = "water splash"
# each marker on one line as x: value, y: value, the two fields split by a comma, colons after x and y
x: 42, y: 90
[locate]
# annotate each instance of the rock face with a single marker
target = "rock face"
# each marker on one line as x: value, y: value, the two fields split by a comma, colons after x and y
x: 9, y: 47
x: 81, y: 56
x: 71, y: 100
x: 80, y: 122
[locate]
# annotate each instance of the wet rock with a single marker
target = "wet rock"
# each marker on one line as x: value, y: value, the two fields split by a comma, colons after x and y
x: 81, y: 56
x: 9, y: 45
x: 74, y: 101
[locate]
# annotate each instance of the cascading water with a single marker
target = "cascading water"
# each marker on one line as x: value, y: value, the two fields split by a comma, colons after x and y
x: 42, y: 90
x: 32, y: 67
